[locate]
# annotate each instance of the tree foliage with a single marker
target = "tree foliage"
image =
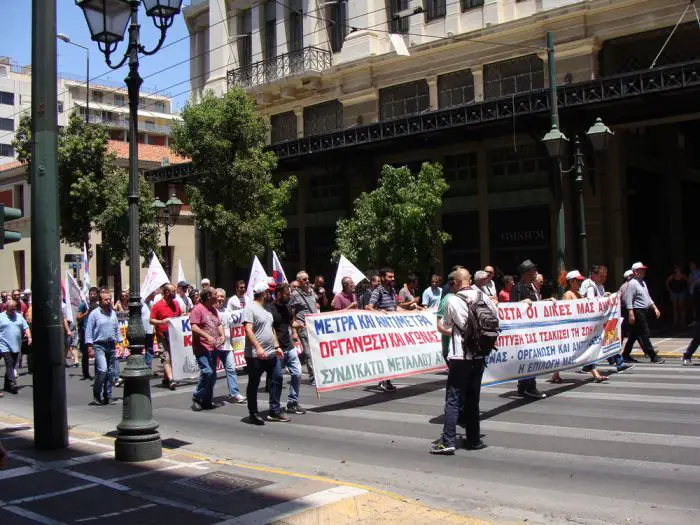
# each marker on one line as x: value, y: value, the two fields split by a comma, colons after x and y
x: 92, y: 189
x: 394, y: 225
x: 234, y: 198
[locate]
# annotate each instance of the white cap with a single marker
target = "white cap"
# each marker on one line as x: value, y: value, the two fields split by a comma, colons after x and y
x: 206, y: 282
x: 638, y: 266
x: 260, y: 287
x: 574, y: 274
x: 627, y: 274
x: 25, y: 292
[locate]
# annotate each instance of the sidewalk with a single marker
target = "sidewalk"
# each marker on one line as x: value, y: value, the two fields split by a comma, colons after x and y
x: 84, y: 484
x: 666, y: 347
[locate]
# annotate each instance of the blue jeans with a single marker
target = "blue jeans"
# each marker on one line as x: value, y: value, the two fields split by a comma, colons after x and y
x: 291, y: 362
x: 105, y: 359
x: 207, y: 379
x: 226, y: 357
x: 116, y: 372
x: 148, y: 350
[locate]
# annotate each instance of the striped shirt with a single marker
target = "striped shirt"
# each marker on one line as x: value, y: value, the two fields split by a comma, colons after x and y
x: 383, y: 299
x: 637, y: 295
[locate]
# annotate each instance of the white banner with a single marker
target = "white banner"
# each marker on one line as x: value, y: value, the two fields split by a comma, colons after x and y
x: 183, y: 360
x: 346, y: 269
x: 358, y: 346
x: 155, y: 278
x: 257, y: 273
x: 74, y: 296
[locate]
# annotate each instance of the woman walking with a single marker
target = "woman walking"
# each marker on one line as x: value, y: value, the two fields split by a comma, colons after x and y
x: 677, y: 285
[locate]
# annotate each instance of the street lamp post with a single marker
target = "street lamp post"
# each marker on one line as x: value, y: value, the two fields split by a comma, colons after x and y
x: 137, y: 435
x: 67, y: 40
x: 168, y: 212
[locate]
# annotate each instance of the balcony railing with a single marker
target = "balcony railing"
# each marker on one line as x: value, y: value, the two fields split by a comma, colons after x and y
x: 307, y: 60
x: 124, y: 124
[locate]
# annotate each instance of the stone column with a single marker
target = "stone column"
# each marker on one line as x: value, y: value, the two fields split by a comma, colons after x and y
x: 299, y: 112
x: 218, y: 50
x: 478, y: 74
x: 433, y: 92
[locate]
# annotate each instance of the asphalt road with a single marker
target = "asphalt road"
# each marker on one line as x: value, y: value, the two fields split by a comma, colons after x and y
x: 627, y: 451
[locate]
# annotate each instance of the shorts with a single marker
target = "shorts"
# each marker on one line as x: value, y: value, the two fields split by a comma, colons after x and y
x: 72, y: 341
x: 678, y: 296
x: 164, y: 344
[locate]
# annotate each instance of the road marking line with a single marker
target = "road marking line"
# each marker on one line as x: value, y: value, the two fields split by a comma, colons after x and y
x: 94, y: 479
x: 290, y: 508
x: 92, y: 443
x: 165, y: 501
x: 16, y: 472
x: 47, y: 495
x: 164, y: 469
x: 112, y: 514
x: 32, y: 515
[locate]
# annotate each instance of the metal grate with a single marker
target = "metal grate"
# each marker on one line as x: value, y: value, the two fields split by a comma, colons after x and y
x: 284, y: 126
x: 309, y: 59
x: 406, y: 99
x: 323, y: 118
x: 517, y: 75
x: 455, y: 89
x: 222, y: 483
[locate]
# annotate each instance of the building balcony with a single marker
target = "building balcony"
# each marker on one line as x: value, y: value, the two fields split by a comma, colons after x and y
x: 124, y: 124
x: 307, y: 62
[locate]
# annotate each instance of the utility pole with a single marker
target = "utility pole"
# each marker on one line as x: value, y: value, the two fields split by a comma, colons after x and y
x: 50, y: 415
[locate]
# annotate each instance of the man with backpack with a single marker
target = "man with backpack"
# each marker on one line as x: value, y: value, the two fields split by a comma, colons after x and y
x: 473, y: 319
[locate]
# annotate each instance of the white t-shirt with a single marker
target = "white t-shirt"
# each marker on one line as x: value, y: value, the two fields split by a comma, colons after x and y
x: 455, y: 319
x: 234, y: 303
x: 225, y: 318
x: 145, y: 319
x: 591, y: 290
x: 185, y: 304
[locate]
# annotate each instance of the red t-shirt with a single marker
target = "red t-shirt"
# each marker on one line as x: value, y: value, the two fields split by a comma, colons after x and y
x: 503, y: 296
x: 208, y: 320
x: 161, y: 311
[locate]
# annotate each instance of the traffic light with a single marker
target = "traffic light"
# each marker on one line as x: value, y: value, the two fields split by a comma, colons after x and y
x: 9, y: 214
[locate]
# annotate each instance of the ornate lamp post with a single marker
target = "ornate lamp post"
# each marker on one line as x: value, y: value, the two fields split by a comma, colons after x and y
x: 555, y: 141
x: 137, y: 437
x: 168, y: 212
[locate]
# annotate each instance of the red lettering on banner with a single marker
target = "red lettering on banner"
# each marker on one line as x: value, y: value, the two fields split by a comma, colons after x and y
x: 557, y: 310
x: 509, y: 313
x: 584, y: 307
x: 237, y: 331
x: 325, y: 351
x: 187, y: 340
x: 383, y: 341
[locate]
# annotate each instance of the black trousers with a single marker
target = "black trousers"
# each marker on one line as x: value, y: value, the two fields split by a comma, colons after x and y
x: 694, y: 343
x: 639, y: 331
x: 256, y: 368
x: 84, y: 357
x: 463, y: 383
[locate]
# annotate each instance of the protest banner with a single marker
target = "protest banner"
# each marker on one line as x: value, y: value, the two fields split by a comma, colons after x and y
x: 277, y: 271
x: 122, y: 349
x: 183, y: 360
x: 358, y: 347
x: 74, y: 296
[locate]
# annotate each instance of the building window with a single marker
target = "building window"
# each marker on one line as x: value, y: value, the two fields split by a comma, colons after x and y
x: 284, y: 126
x: 435, y: 9
x: 60, y: 106
x: 6, y: 150
x: 338, y: 24
x: 455, y: 89
x: 97, y: 96
x: 270, y: 49
x: 7, y: 124
x: 403, y: 100
x: 150, y: 125
x: 461, y: 174
x: 522, y: 169
x: 159, y: 106
x: 323, y: 118
x: 245, y: 42
x: 471, y: 4
x: 518, y: 75
x: 19, y: 197
x: 326, y: 192
x: 119, y: 99
x: 7, y: 98
x: 296, y: 26
x: 397, y: 25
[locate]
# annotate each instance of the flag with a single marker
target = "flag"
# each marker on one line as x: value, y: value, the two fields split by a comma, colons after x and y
x: 74, y: 296
x: 86, y: 269
x: 155, y: 278
x: 277, y: 270
x: 346, y: 269
x: 180, y: 272
x: 257, y: 273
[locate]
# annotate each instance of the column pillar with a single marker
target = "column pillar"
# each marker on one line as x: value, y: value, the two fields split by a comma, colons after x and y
x: 478, y: 74
x: 615, y: 183
x: 433, y: 92
x: 256, y: 32
x: 218, y: 50
x: 482, y: 166
x: 302, y: 199
x: 299, y: 112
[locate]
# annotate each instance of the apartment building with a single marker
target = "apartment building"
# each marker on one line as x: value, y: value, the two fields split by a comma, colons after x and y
x: 472, y: 94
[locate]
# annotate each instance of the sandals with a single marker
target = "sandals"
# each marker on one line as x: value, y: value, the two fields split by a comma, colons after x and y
x: 601, y: 379
x: 557, y: 380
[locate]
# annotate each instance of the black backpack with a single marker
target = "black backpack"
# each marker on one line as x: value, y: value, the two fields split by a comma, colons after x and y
x: 482, y: 328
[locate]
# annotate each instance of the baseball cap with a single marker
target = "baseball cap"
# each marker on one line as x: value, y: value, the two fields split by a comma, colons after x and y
x: 27, y: 291
x: 638, y: 266
x: 260, y: 287
x: 183, y: 284
x: 205, y: 282
x: 627, y: 274
x: 526, y: 266
x: 574, y: 274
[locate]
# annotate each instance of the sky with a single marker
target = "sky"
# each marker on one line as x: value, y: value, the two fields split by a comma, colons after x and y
x: 16, y: 43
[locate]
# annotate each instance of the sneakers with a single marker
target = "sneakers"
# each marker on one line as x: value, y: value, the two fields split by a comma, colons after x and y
x: 533, y: 393
x: 295, y: 408
x: 387, y: 386
x: 630, y: 360
x: 479, y: 445
x: 278, y: 417
x: 119, y: 382
x: 687, y: 361
x: 237, y: 400
x: 96, y: 401
x: 439, y: 448
x: 625, y: 367
x: 196, y: 406
x: 657, y: 361
x: 212, y: 405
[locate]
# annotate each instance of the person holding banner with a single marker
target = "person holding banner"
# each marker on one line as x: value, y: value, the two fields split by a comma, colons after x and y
x: 465, y: 371
x: 225, y: 351
x: 237, y: 301
x: 304, y: 303
x: 384, y: 299
x: 262, y: 353
x: 346, y: 299
x: 207, y: 337
x: 167, y: 308
x: 433, y: 294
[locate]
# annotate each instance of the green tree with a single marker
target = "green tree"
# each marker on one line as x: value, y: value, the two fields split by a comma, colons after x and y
x: 234, y: 198
x: 394, y: 225
x: 92, y: 189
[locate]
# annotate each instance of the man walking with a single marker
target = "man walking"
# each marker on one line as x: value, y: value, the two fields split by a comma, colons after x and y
x: 695, y: 342
x: 261, y: 355
x: 639, y: 303
x: 303, y: 302
x: 13, y: 328
x: 207, y: 337
x: 433, y: 294
x: 346, y: 299
x: 102, y: 334
x: 84, y: 310
x: 466, y: 368
x: 283, y: 323
x: 527, y: 291
x: 182, y: 298
x: 237, y: 301
x: 225, y: 351
x: 384, y: 299
x: 166, y: 308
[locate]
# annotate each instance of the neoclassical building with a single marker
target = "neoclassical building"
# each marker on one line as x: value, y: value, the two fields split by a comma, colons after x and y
x: 470, y: 90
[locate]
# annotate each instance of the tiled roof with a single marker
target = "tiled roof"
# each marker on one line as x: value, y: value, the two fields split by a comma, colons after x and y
x: 10, y: 165
x: 147, y: 152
